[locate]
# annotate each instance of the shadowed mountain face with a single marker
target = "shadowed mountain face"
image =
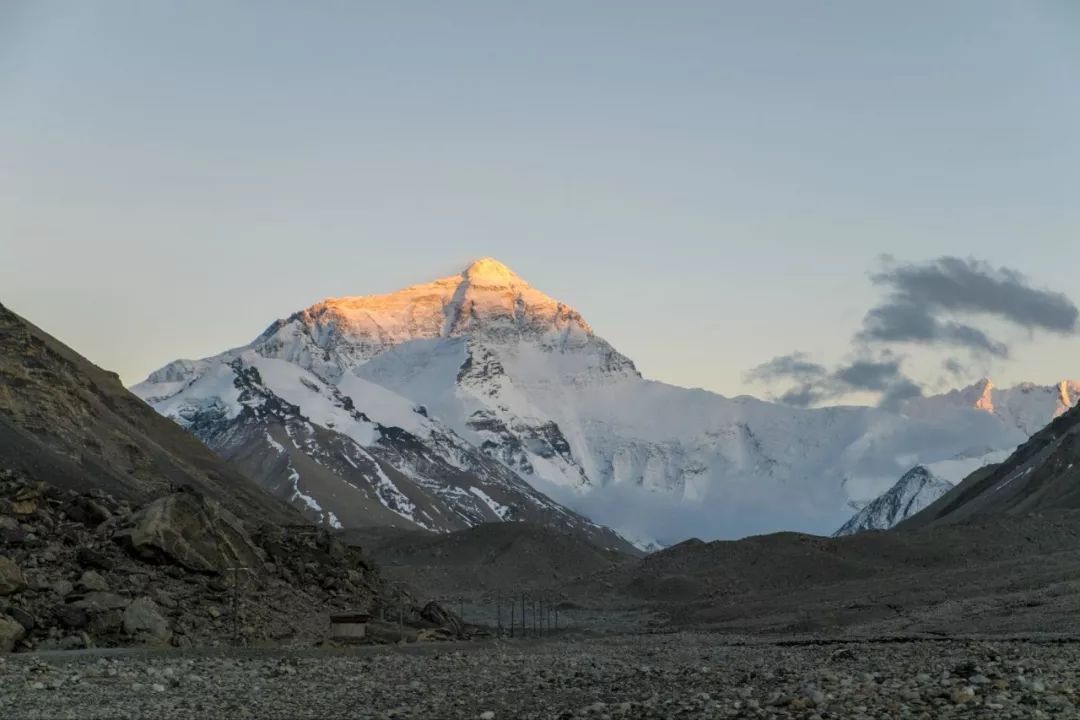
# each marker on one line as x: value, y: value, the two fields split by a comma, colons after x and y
x: 66, y: 420
x: 1042, y: 475
x: 486, y: 560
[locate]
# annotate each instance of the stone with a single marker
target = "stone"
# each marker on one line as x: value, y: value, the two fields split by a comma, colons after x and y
x: 63, y: 588
x: 25, y: 502
x: 190, y: 530
x: 165, y: 599
x: 90, y: 558
x: 71, y: 617
x: 87, y: 511
x: 143, y: 621
x: 106, y: 623
x: 102, y: 601
x: 487, y: 715
x: 11, y: 632
x: 12, y: 579
x: 92, y: 581
x: 23, y: 617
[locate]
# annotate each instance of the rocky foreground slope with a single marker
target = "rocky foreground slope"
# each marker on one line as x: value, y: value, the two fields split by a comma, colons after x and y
x: 64, y: 419
x: 119, y: 528
x: 82, y: 569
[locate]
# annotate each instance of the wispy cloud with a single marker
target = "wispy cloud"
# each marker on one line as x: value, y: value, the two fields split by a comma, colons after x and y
x: 939, y: 304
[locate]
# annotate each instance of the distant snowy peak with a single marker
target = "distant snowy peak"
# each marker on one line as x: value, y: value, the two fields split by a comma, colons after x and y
x: 914, y: 491
x: 1027, y: 406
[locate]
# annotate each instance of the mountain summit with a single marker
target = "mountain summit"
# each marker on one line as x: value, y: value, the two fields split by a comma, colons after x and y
x: 477, y: 397
x: 487, y: 299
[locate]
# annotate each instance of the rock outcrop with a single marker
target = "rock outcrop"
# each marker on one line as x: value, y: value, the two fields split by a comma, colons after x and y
x: 192, y: 531
x: 158, y: 575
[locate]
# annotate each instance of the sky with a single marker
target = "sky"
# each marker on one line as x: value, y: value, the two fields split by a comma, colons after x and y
x: 714, y: 185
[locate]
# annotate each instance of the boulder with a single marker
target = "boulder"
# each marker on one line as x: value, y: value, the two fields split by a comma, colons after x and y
x: 12, y: 579
x: 439, y: 616
x: 87, y: 511
x: 25, y: 501
x: 63, y: 588
x: 143, y: 621
x: 97, y: 602
x: 23, y: 617
x: 90, y: 558
x: 192, y: 531
x: 11, y: 632
x: 71, y: 617
x: 91, y: 581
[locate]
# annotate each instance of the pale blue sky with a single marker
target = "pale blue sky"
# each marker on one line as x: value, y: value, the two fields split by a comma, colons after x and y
x: 709, y: 183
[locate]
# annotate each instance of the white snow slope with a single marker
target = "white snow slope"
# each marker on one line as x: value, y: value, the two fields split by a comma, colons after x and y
x: 524, y: 378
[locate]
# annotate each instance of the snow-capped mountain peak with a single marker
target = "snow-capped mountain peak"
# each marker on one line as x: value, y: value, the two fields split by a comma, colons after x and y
x: 490, y: 272
x: 1026, y: 406
x: 487, y: 300
x: 481, y: 374
x: 914, y: 491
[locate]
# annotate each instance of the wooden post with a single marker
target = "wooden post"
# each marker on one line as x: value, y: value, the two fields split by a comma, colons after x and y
x: 512, y: 609
x: 524, y: 627
x: 498, y: 615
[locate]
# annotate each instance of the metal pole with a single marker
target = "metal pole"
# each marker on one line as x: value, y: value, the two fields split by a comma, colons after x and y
x: 524, y: 627
x: 236, y: 605
x: 498, y: 615
x: 513, y: 608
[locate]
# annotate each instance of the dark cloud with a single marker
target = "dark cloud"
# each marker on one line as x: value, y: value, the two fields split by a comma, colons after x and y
x: 954, y: 367
x: 935, y: 304
x: 794, y: 366
x: 970, y: 286
x: 905, y: 322
x: 803, y: 396
x: 920, y: 294
x: 868, y: 375
x: 901, y: 389
x: 816, y: 384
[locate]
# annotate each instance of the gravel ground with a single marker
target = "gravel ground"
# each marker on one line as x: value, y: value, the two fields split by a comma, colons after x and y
x: 661, y: 676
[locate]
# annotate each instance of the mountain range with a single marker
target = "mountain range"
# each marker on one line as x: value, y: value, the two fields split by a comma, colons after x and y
x: 478, y: 398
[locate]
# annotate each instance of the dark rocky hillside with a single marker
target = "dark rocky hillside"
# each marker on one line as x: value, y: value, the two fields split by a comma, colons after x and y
x: 486, y: 559
x: 1043, y: 474
x: 67, y: 420
x: 117, y: 527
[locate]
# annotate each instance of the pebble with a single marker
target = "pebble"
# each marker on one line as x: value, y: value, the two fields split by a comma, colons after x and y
x: 592, y: 678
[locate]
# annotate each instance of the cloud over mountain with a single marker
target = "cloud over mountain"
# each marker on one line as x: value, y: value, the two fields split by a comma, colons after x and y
x: 938, y: 304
